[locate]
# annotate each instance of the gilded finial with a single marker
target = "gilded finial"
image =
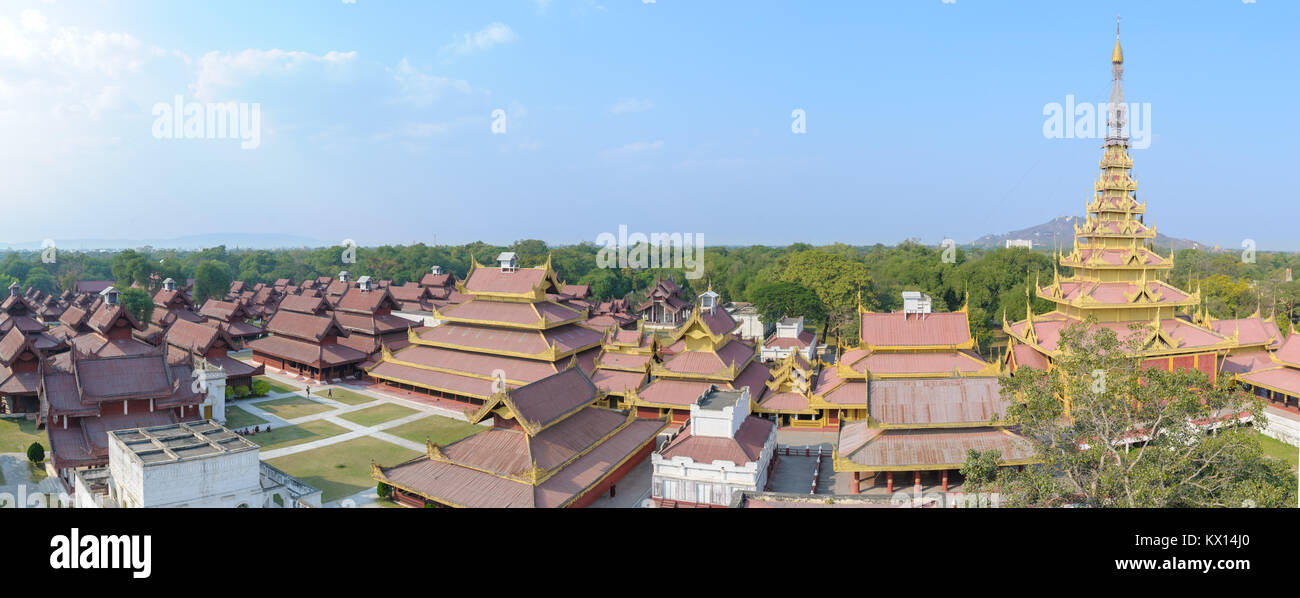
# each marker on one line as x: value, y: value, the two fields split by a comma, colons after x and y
x: 1117, y: 55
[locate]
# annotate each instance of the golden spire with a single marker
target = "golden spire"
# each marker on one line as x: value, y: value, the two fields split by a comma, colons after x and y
x: 1117, y: 55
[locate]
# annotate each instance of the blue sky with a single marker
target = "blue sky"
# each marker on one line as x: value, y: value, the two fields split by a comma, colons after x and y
x: 924, y: 118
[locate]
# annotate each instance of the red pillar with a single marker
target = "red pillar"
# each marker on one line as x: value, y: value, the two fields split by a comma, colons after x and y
x: 889, y: 482
x: 857, y: 483
x: 917, y: 476
x: 945, y: 480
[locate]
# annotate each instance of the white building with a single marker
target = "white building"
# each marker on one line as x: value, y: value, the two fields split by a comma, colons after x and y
x: 191, y: 464
x: 1026, y: 243
x: 751, y: 326
x: 789, y: 337
x: 721, y: 450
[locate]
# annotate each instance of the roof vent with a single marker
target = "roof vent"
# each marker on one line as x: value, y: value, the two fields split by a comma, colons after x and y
x: 110, y: 295
x: 344, y: 276
x: 365, y: 283
x: 709, y: 300
x: 435, y: 270
x: 509, y: 261
x: 169, y: 284
x: 915, y: 302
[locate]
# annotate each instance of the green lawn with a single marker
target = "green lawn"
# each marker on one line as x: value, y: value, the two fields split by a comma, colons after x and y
x: 18, y: 434
x: 346, y: 396
x: 373, y: 416
x: 237, y: 418
x: 293, y: 407
x: 277, y: 387
x: 342, y: 469
x: 1280, y: 450
x: 441, y: 430
x: 291, y: 435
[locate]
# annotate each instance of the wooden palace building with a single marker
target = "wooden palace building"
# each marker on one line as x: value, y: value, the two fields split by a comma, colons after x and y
x: 512, y: 330
x: 549, y: 446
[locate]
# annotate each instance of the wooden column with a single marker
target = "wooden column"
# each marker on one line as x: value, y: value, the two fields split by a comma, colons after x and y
x: 857, y: 482
x: 917, y: 477
x: 945, y: 480
x: 889, y: 482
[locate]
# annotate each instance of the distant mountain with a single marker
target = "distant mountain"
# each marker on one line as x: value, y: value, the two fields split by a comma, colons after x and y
x: 192, y: 242
x: 1061, y: 230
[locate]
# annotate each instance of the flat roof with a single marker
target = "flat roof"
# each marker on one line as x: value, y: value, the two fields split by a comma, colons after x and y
x: 717, y: 399
x: 182, y: 441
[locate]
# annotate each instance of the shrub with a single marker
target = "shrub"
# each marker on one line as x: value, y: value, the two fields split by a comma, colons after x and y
x: 230, y: 393
x: 261, y: 388
x: 241, y: 392
x: 384, y: 490
x: 36, y: 453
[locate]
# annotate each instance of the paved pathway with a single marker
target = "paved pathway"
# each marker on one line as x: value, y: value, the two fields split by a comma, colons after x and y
x: 338, y: 408
x: 18, y: 484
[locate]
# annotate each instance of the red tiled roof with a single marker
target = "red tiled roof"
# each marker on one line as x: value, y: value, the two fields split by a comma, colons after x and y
x: 746, y: 447
x: 914, y: 362
x: 302, y: 326
x: 919, y: 401
x: 1282, y: 378
x: 1027, y: 357
x: 899, y: 329
x: 553, y: 398
x: 493, y: 280
x: 1290, y: 351
x: 941, y: 448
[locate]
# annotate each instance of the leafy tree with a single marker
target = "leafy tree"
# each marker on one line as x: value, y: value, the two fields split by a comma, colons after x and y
x: 1112, y: 433
x: 383, y: 490
x: 38, y: 278
x: 137, y: 303
x: 980, y: 469
x: 211, y: 280
x: 779, y: 299
x: 36, y: 453
x: 835, y: 279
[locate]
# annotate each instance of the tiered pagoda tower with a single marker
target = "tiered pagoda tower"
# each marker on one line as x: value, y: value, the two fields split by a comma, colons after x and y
x: 514, y: 328
x: 1118, y: 278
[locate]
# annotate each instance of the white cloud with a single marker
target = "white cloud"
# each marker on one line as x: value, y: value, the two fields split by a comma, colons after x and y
x: 495, y: 34
x: 218, y: 71
x: 421, y: 89
x: 637, y: 147
x: 33, y: 20
x: 627, y: 105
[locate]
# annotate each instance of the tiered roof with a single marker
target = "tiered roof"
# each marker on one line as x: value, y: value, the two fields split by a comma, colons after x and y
x: 512, y: 322
x: 698, y: 353
x: 928, y: 396
x: 84, y: 397
x: 1118, y: 277
x: 549, y: 447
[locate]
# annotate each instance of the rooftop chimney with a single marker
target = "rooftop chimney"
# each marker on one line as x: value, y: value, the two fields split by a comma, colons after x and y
x: 13, y: 289
x: 109, y: 295
x: 435, y: 270
x: 364, y: 283
x: 169, y: 284
x: 344, y: 276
